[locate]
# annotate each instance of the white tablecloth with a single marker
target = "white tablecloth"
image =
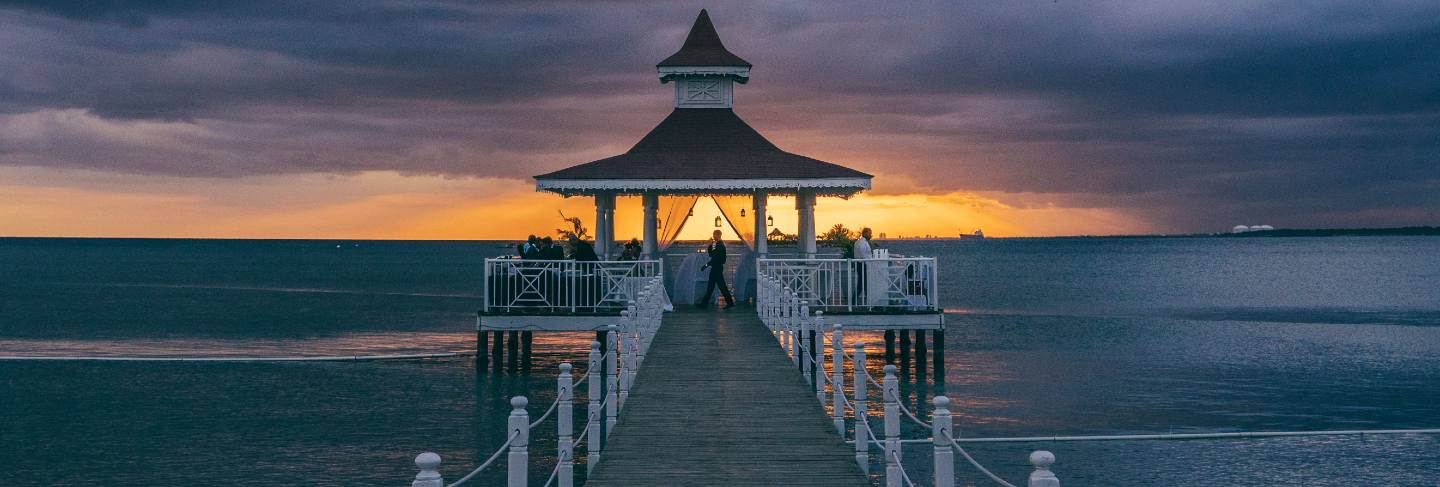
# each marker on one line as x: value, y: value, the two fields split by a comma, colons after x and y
x: 690, y: 280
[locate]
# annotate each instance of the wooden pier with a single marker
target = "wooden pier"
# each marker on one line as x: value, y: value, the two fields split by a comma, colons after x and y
x: 719, y: 403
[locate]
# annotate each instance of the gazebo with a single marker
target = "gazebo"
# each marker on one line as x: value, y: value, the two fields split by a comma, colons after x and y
x: 704, y: 149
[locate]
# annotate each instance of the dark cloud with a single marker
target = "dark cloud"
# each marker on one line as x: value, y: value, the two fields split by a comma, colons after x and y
x: 1198, y: 115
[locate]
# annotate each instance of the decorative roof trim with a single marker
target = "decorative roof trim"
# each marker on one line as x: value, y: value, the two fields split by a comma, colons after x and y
x: 740, y: 74
x: 848, y: 185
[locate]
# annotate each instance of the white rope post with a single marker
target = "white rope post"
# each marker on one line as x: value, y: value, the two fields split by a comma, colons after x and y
x: 612, y: 382
x: 940, y: 432
x: 862, y: 438
x: 837, y: 379
x: 592, y: 448
x: 891, y: 396
x: 519, y: 459
x: 1042, y: 476
x: 786, y: 324
x: 818, y: 329
x: 805, y: 352
x: 429, y: 476
x: 622, y: 347
x: 565, y: 427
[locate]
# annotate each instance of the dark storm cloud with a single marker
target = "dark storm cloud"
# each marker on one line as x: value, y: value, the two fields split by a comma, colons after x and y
x: 1198, y: 115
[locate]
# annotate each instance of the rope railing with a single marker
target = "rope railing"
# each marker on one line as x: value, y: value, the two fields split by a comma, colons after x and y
x: 627, y: 343
x: 789, y: 318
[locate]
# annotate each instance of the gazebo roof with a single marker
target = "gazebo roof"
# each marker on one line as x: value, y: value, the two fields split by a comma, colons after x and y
x: 705, y: 150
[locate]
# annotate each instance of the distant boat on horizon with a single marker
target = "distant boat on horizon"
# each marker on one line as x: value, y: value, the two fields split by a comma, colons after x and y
x: 976, y: 235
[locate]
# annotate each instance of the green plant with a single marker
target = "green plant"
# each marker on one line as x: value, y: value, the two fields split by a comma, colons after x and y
x: 839, y: 237
x: 576, y: 230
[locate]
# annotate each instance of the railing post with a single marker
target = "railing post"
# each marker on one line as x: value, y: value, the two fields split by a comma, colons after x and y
x: 519, y: 458
x: 893, y: 476
x: 1042, y: 476
x: 564, y: 427
x: 592, y: 447
x: 819, y: 344
x: 612, y: 382
x: 940, y: 432
x: 862, y: 438
x: 429, y: 476
x: 837, y: 379
x: 805, y: 349
x: 622, y: 347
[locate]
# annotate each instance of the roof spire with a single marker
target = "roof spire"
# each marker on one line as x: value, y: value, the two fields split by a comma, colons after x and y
x: 703, y: 48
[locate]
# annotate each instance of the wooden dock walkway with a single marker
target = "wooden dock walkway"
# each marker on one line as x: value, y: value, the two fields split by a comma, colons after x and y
x: 719, y: 403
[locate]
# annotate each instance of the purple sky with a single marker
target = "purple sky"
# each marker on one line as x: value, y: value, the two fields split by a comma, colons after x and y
x: 1192, y: 115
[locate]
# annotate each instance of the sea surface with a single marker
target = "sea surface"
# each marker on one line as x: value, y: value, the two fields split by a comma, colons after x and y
x: 1082, y: 336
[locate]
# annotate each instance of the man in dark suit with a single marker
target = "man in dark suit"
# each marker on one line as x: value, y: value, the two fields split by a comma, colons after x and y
x: 550, y: 251
x: 716, y: 250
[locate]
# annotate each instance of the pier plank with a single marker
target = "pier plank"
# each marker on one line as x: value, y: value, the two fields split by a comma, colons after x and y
x: 718, y: 403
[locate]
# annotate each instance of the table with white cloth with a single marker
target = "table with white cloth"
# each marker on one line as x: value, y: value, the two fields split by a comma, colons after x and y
x: 744, y: 280
x: 690, y: 281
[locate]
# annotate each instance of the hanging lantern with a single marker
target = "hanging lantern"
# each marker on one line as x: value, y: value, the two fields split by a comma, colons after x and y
x: 770, y: 219
x: 742, y: 213
x: 717, y: 222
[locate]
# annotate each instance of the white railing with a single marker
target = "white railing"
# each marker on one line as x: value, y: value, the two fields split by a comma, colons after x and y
x: 790, y: 318
x: 878, y: 284
x: 627, y: 344
x: 564, y: 286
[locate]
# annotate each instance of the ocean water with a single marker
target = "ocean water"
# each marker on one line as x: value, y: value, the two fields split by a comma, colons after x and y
x: 1045, y: 337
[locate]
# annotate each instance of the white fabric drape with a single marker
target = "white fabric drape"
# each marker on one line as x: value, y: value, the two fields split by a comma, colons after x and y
x: 733, y: 207
x: 673, y: 211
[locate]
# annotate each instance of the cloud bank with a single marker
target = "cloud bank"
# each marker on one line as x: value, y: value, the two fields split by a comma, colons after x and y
x: 1190, y: 116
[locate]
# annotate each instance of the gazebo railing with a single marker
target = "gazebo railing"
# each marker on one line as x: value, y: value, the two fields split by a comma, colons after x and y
x: 883, y: 284
x: 564, y: 286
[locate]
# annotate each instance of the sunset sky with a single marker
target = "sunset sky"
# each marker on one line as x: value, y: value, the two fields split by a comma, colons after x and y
x: 381, y: 119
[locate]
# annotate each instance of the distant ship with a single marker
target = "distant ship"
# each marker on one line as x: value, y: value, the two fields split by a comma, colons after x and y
x: 977, y: 234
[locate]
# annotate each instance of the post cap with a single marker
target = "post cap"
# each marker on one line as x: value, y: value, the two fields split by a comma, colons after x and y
x: 595, y: 345
x: 519, y: 402
x: 941, y: 402
x: 860, y: 346
x: 565, y: 367
x: 889, y: 370
x: 610, y: 327
x: 1042, y: 459
x: 427, y: 461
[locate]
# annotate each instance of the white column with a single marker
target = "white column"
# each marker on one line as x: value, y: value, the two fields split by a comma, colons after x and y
x: 601, y: 240
x: 610, y: 252
x: 565, y: 427
x: 651, y: 202
x: 805, y: 207
x: 762, y: 246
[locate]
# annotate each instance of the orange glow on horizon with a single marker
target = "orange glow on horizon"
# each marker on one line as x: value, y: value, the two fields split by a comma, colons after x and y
x: 384, y: 205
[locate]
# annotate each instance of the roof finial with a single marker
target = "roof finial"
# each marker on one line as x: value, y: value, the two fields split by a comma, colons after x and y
x: 703, y: 47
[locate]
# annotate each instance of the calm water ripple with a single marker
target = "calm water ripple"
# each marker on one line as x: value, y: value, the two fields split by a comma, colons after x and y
x: 1053, y: 337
